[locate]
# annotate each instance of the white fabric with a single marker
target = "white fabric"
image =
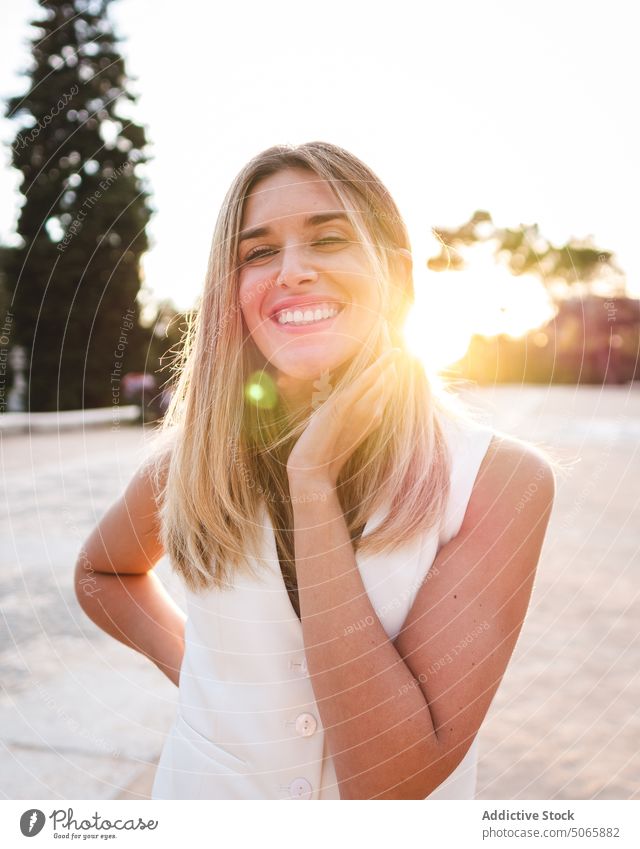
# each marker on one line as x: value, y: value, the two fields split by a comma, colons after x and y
x: 243, y: 682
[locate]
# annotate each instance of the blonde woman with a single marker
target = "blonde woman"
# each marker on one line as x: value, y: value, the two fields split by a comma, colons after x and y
x: 355, y: 555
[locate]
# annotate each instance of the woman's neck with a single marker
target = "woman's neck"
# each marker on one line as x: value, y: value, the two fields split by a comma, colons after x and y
x: 296, y: 394
x: 300, y: 396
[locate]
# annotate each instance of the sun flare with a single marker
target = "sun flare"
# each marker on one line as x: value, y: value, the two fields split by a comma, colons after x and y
x: 451, y: 306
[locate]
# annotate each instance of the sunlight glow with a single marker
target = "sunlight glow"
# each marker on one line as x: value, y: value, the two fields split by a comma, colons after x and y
x: 485, y: 298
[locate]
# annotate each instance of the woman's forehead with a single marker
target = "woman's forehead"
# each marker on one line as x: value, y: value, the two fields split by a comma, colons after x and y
x: 288, y: 193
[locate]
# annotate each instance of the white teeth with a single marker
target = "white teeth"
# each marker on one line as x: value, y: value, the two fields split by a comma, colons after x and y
x: 308, y: 316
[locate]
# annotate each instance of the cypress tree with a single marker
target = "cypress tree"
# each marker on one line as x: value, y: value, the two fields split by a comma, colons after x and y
x: 74, y: 282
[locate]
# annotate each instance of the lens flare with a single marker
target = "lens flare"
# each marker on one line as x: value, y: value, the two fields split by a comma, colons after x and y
x: 260, y: 391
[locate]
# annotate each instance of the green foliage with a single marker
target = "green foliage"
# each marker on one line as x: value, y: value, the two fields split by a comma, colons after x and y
x: 5, y: 259
x: 524, y: 250
x: 75, y: 280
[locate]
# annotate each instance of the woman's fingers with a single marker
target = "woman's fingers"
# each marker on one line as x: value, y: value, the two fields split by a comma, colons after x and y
x: 368, y: 410
x: 381, y: 371
x: 370, y: 375
x: 343, y: 404
x: 374, y: 400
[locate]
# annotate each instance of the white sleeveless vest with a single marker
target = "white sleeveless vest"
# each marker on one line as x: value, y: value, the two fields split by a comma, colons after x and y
x: 247, y: 724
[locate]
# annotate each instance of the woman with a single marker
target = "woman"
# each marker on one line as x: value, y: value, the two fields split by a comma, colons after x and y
x: 356, y: 563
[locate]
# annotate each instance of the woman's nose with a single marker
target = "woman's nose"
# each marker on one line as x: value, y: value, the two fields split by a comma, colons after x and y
x: 295, y: 266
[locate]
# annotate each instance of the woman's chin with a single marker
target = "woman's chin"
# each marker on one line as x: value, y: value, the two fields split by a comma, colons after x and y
x: 307, y: 372
x: 297, y: 378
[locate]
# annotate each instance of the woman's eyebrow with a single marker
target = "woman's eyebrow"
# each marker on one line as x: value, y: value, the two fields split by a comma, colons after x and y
x: 311, y: 221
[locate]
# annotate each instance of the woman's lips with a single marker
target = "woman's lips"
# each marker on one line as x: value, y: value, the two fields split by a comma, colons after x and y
x: 323, y: 324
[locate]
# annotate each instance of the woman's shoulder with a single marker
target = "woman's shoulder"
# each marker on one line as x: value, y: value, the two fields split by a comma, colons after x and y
x: 491, y: 467
x: 159, y: 451
x: 484, y: 463
x: 510, y: 459
x: 464, y: 431
x: 464, y: 426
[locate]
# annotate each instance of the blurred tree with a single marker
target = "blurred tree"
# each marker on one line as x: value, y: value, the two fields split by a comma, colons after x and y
x: 74, y: 282
x: 525, y: 250
x: 167, y: 327
x: 6, y: 329
x: 6, y: 257
x: 590, y: 340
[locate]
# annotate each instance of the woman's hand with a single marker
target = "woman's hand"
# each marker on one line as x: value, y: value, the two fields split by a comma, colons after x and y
x: 342, y: 423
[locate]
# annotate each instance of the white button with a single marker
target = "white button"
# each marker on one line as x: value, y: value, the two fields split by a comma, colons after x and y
x: 300, y: 789
x: 306, y: 724
x: 299, y: 666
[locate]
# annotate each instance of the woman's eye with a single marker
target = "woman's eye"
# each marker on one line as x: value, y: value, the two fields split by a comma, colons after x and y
x: 256, y: 254
x: 331, y: 240
x: 259, y: 253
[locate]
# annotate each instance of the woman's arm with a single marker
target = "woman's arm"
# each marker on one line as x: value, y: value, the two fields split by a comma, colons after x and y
x: 116, y: 587
x: 400, y: 716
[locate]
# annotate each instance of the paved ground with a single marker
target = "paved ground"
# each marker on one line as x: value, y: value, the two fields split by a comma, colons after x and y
x: 83, y: 717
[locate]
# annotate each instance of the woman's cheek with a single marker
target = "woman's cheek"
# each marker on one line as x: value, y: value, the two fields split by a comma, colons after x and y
x: 252, y: 291
x: 247, y: 295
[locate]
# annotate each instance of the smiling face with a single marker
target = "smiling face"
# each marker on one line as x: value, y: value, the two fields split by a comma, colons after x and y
x: 306, y: 285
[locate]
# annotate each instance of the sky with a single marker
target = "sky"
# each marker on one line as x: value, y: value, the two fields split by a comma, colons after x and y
x: 528, y: 110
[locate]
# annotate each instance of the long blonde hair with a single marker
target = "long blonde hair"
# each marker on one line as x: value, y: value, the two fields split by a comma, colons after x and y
x: 225, y: 455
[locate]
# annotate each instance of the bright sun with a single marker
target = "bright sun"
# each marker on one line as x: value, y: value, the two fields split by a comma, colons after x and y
x: 451, y: 306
